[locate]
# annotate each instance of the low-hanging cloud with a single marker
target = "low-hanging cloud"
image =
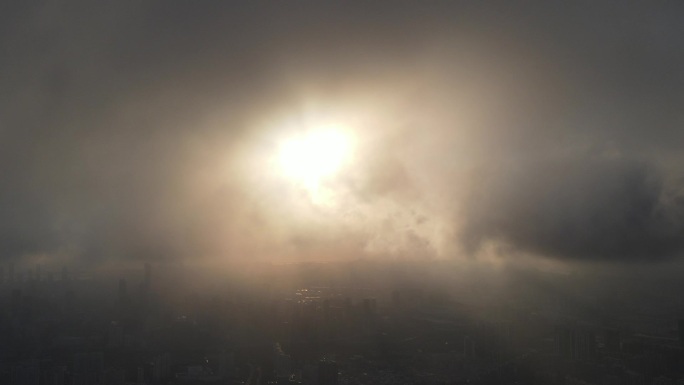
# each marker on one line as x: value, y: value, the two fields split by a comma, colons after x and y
x: 591, y: 208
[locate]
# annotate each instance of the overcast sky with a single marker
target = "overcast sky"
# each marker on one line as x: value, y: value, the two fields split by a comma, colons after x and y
x: 134, y: 130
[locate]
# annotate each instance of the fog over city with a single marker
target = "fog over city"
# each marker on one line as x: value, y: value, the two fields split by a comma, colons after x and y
x: 387, y: 174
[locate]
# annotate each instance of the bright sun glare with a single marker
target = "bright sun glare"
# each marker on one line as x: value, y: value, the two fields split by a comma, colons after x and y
x: 311, y: 157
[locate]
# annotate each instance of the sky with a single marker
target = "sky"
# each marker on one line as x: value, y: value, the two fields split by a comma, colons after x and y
x: 151, y: 131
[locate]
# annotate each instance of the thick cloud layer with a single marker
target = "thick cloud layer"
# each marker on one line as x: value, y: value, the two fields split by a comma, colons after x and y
x: 142, y: 130
x: 590, y: 208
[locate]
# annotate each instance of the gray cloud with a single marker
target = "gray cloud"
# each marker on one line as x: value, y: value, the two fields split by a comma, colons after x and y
x: 120, y: 125
x: 585, y: 207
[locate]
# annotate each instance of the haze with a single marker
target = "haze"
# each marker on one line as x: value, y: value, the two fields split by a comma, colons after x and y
x: 459, y: 147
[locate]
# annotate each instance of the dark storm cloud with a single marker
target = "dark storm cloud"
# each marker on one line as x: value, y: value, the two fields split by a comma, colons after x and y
x: 586, y: 208
x: 105, y: 144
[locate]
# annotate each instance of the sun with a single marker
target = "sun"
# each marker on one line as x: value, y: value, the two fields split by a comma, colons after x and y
x: 314, y: 156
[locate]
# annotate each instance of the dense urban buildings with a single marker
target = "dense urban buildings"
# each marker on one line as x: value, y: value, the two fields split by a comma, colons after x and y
x: 89, y: 328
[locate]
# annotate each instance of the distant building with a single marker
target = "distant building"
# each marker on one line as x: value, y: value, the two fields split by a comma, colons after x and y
x: 407, y: 298
x: 140, y: 376
x: 612, y: 340
x: 370, y: 307
x: 60, y: 375
x: 662, y: 380
x: 282, y: 363
x: 161, y: 368
x: 575, y: 344
x: 114, y: 376
x: 88, y: 368
x: 25, y: 373
x: 468, y: 347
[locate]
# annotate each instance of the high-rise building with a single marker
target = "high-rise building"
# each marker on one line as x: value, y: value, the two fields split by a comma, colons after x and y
x: 161, y: 368
x: 88, y: 368
x: 25, y: 373
x: 60, y: 375
x: 140, y: 376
